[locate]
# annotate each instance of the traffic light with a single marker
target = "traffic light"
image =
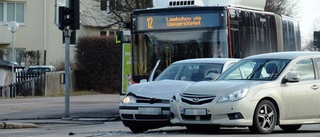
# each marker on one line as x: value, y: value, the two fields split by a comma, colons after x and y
x: 119, y: 37
x: 74, y: 15
x: 69, y: 16
x: 63, y: 17
x: 316, y: 39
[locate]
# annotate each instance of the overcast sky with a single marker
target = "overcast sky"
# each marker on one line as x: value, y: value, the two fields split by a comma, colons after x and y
x: 310, y: 11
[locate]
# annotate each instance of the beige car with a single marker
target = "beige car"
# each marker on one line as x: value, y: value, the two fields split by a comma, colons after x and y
x: 258, y: 92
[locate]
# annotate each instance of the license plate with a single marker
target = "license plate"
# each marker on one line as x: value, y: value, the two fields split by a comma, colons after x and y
x: 149, y: 111
x: 195, y: 111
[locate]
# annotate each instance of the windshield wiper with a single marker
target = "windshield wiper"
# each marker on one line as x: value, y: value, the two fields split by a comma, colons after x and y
x: 275, y: 72
x: 250, y: 76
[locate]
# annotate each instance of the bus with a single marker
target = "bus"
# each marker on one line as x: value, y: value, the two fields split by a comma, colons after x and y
x: 173, y: 30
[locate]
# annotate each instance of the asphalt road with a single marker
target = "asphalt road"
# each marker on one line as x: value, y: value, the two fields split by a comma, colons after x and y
x: 116, y: 129
x: 46, y: 113
x: 85, y: 106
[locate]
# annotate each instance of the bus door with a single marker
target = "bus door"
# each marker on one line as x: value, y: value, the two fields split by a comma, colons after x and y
x: 235, y: 41
x: 153, y: 73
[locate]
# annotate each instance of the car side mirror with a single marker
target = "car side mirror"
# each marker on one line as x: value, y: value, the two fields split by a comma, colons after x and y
x: 292, y: 77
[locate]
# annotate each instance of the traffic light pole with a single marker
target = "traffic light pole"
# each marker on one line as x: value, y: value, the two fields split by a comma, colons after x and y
x: 68, y: 22
x: 67, y: 34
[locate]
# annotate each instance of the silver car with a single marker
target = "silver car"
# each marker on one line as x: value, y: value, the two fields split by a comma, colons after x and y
x: 258, y: 92
x: 146, y: 105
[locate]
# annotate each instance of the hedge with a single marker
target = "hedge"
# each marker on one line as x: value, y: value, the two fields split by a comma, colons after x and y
x: 99, y: 60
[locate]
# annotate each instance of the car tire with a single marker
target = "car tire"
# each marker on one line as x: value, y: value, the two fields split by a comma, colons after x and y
x: 265, y: 118
x: 138, y: 129
x: 203, y: 128
x: 290, y: 128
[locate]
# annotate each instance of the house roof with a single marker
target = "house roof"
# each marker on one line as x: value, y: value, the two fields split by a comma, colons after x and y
x: 4, y: 63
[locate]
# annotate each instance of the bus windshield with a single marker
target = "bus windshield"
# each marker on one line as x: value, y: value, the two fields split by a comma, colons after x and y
x: 171, y: 46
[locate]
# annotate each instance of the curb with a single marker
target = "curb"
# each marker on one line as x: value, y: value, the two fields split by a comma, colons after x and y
x: 11, y: 125
x: 16, y: 124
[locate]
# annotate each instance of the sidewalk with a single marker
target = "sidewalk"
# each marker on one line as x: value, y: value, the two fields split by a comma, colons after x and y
x: 28, y: 112
x: 15, y: 124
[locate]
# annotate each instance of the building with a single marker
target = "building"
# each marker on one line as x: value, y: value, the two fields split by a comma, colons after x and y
x: 38, y: 41
x: 37, y: 36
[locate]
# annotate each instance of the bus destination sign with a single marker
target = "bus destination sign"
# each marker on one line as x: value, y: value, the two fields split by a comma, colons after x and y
x: 177, y: 21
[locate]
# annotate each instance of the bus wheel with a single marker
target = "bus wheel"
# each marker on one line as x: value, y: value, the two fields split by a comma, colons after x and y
x: 265, y: 118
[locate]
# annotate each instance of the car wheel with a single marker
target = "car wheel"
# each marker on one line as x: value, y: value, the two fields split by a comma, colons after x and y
x: 265, y: 118
x: 290, y: 128
x: 138, y: 129
x: 203, y: 128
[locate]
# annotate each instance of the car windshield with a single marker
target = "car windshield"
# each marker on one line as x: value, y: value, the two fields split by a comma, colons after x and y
x: 191, y: 72
x: 255, y: 69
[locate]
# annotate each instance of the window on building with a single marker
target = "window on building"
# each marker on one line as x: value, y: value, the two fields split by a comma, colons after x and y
x: 12, y: 11
x: 20, y: 57
x: 1, y: 12
x: 20, y: 12
x: 108, y: 5
x: 103, y: 33
x: 118, y: 5
x: 103, y: 4
x: 111, y: 33
x: 73, y: 37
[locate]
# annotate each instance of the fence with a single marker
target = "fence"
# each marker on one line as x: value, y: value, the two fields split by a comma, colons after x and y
x: 53, y: 85
x: 39, y: 84
x: 26, y: 85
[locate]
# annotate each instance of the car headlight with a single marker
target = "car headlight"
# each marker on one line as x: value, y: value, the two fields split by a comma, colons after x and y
x: 129, y: 100
x: 234, y: 96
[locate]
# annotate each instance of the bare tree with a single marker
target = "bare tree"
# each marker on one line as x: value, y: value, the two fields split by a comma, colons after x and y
x: 284, y: 7
x: 107, y: 13
x: 316, y: 24
x: 121, y: 11
x: 118, y: 12
x: 309, y: 46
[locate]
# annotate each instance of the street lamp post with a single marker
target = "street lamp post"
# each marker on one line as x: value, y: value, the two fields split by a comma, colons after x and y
x: 12, y: 27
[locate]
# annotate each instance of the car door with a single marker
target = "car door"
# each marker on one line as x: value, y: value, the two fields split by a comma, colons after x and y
x: 317, y: 61
x: 301, y: 99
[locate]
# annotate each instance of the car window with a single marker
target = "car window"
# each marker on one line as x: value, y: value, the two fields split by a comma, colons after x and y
x: 39, y: 69
x: 242, y: 72
x: 255, y: 69
x: 47, y: 70
x: 191, y: 72
x: 318, y: 64
x: 229, y: 65
x: 304, y: 68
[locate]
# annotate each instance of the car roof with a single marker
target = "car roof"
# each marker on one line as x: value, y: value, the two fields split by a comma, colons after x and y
x: 207, y: 60
x: 284, y: 55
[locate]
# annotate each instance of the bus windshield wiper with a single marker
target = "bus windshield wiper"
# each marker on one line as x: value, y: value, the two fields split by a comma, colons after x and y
x: 251, y: 75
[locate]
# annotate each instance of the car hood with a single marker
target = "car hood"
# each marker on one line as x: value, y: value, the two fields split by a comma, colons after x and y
x: 163, y: 89
x: 220, y: 87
